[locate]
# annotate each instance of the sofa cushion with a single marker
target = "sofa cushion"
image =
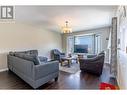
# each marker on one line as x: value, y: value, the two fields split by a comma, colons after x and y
x: 20, y: 55
x: 43, y: 59
x: 11, y: 53
x: 33, y: 52
x: 15, y: 53
x: 30, y: 57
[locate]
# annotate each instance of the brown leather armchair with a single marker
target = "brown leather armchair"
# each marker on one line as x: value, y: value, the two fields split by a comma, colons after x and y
x: 93, y: 65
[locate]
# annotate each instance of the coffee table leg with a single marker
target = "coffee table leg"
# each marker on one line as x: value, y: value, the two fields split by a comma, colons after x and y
x: 69, y: 63
x: 77, y: 61
x: 61, y: 63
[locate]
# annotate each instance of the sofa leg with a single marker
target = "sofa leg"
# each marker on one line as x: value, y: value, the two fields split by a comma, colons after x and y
x: 56, y: 79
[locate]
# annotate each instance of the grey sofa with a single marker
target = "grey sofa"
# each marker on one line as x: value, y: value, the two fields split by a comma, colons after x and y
x: 33, y: 69
x: 57, y: 55
x: 93, y: 65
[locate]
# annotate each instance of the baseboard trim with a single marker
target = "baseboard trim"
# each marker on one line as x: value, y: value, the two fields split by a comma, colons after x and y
x: 2, y: 70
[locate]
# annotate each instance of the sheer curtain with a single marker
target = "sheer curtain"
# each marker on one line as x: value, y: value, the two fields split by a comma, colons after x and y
x: 70, y: 44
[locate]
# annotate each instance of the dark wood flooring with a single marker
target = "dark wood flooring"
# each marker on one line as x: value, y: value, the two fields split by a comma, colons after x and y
x: 79, y: 80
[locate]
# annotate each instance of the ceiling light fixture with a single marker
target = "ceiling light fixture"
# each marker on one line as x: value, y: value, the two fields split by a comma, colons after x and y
x: 66, y: 28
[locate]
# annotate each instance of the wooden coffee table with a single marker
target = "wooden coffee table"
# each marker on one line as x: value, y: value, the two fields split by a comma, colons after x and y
x: 69, y: 60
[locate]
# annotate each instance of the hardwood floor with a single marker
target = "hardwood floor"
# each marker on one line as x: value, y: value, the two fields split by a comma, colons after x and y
x: 79, y: 80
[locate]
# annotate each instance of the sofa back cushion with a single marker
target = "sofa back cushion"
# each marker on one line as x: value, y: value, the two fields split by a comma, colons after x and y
x: 43, y: 59
x: 33, y: 52
x: 29, y: 52
x: 30, y: 57
x: 11, y: 53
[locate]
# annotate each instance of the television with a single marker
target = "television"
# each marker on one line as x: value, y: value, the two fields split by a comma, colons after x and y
x: 80, y: 48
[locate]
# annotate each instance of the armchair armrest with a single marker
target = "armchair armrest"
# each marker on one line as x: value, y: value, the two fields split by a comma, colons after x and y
x: 46, y: 69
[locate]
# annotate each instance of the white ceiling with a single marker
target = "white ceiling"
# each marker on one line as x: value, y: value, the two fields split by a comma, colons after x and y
x: 79, y: 17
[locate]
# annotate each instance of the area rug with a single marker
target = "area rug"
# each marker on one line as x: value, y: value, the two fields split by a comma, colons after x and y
x: 74, y: 68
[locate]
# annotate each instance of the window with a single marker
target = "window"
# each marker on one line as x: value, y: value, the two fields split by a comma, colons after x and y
x: 84, y: 44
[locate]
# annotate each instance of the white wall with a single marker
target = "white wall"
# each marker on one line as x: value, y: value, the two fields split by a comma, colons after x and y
x: 19, y: 36
x: 121, y: 54
x: 122, y: 70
